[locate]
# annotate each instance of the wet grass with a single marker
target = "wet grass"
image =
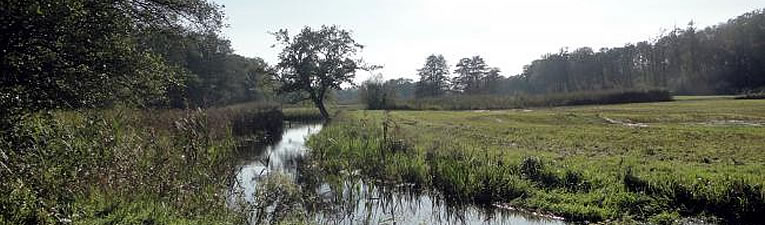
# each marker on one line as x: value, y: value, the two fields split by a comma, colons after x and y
x: 650, y: 162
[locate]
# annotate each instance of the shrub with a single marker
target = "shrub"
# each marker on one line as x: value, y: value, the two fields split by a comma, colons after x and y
x: 376, y: 95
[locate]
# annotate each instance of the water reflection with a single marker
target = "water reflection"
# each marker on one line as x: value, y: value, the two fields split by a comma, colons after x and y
x: 360, y: 203
x: 353, y: 201
x: 283, y: 156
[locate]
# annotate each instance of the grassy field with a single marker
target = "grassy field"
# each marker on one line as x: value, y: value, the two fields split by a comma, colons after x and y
x: 651, y: 162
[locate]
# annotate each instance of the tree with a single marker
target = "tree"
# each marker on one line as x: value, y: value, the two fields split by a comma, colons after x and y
x: 470, y: 73
x: 316, y: 61
x: 491, y: 81
x: 434, y: 80
x: 211, y: 74
x: 403, y: 89
x: 376, y: 94
x: 78, y: 53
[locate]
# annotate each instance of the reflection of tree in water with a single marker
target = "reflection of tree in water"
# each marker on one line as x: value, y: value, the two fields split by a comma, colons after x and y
x: 266, y: 126
x: 252, y: 144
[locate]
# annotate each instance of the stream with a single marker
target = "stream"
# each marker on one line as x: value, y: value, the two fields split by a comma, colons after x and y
x: 359, y: 202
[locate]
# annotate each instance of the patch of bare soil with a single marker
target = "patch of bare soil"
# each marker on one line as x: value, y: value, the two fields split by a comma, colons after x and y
x: 735, y: 122
x: 625, y: 123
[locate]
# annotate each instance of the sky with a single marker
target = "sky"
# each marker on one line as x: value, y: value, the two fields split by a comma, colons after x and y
x: 400, y: 34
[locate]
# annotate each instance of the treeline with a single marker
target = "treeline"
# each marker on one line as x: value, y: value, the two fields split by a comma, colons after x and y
x: 722, y: 59
x: 64, y: 54
x: 728, y: 58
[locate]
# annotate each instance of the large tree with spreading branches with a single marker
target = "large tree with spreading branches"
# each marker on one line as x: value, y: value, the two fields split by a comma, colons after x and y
x: 313, y: 62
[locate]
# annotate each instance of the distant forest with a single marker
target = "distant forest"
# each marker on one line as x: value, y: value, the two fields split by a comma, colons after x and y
x: 728, y: 58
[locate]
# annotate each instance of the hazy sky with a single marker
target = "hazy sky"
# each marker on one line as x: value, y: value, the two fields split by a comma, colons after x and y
x: 400, y: 34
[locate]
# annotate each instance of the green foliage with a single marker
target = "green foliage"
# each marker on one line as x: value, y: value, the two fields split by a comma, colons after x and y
x: 316, y: 61
x: 212, y: 74
x: 72, y: 53
x: 375, y: 94
x: 434, y: 77
x: 474, y: 76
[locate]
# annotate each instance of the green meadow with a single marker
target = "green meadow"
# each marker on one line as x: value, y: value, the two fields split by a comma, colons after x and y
x: 642, y: 162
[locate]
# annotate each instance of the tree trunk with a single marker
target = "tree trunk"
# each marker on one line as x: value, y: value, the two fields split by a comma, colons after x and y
x: 322, y: 109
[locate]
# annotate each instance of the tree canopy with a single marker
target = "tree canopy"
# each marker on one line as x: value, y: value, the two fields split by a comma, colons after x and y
x: 434, y: 77
x: 313, y: 62
x: 470, y: 75
x: 73, y: 53
x: 147, y: 53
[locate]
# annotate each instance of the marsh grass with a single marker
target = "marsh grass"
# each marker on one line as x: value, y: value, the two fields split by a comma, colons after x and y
x: 301, y: 114
x: 278, y: 200
x: 567, y: 161
x: 124, y: 166
x: 309, y: 113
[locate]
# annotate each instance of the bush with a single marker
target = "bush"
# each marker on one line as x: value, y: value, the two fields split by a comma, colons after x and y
x: 376, y: 95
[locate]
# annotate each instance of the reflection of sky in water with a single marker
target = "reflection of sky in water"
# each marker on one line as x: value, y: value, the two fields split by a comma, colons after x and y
x: 364, y: 204
x: 281, y: 156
